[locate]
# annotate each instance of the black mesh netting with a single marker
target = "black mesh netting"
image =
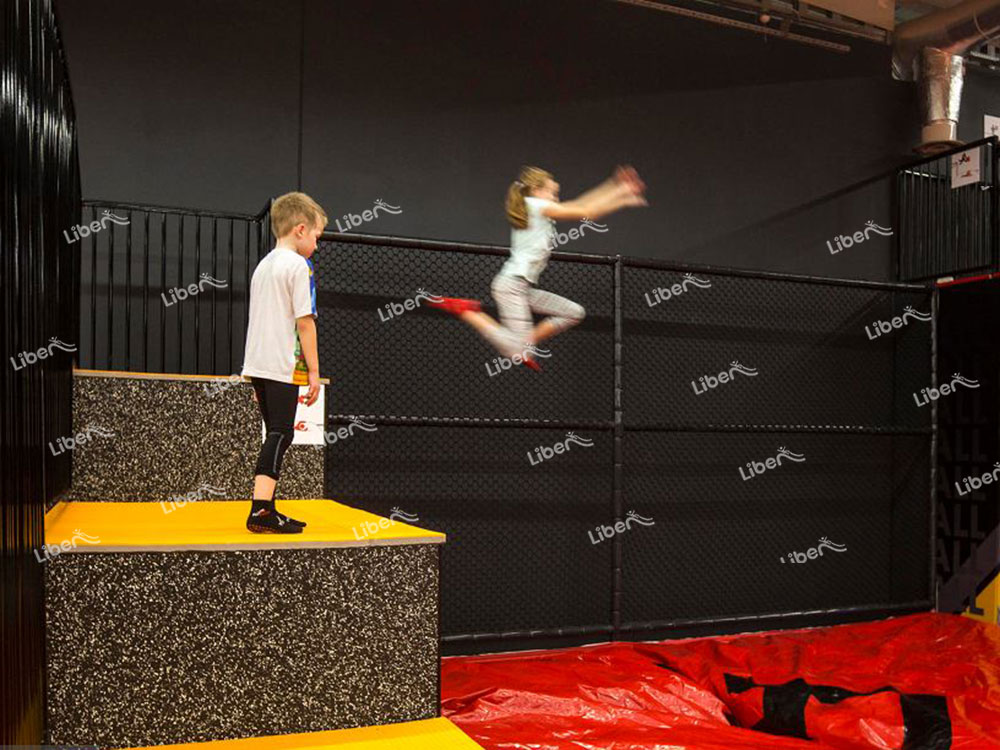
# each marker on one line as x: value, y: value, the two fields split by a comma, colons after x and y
x: 806, y: 354
x: 720, y: 528
x: 529, y: 541
x: 519, y: 553
x: 424, y: 362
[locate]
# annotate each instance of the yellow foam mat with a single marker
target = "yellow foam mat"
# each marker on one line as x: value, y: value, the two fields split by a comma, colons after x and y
x: 161, y: 376
x: 218, y: 525
x: 432, y: 734
x: 988, y: 601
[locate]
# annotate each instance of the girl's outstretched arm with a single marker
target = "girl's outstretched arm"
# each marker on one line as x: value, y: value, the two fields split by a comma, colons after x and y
x: 599, y: 192
x: 595, y: 203
x: 623, y: 174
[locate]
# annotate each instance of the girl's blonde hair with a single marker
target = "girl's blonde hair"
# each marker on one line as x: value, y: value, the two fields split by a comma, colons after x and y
x: 529, y: 179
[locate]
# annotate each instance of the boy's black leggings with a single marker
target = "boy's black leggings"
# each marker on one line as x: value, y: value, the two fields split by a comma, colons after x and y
x: 277, y: 403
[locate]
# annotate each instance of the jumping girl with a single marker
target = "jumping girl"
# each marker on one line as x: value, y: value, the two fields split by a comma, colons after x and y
x: 533, y: 207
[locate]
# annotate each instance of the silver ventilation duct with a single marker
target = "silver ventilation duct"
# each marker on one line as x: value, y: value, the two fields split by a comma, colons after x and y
x: 929, y: 49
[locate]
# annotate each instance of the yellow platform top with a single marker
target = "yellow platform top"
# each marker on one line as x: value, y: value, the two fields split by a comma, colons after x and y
x: 169, y: 526
x: 432, y: 734
x: 162, y: 376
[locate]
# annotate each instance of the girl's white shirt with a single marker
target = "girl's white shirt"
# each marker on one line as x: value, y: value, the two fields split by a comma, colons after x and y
x: 530, y: 247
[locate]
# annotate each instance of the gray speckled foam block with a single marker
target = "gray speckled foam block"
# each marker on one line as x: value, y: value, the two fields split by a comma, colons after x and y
x: 151, y: 648
x: 171, y: 437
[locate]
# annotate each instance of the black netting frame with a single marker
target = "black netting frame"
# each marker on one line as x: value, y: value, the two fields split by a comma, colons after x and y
x: 521, y: 564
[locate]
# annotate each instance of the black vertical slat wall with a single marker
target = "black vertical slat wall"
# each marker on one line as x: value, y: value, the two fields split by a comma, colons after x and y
x: 39, y: 172
x: 137, y: 312
x: 945, y: 229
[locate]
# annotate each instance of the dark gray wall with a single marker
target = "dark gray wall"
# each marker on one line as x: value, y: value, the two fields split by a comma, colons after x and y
x: 756, y: 150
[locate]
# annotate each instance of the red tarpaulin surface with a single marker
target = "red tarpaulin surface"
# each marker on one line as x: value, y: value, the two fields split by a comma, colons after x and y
x: 921, y: 682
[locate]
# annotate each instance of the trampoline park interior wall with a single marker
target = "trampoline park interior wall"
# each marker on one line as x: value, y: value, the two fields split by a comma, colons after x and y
x: 654, y: 441
x: 721, y: 428
x: 534, y: 558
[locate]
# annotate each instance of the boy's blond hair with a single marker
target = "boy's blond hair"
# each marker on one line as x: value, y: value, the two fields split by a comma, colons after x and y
x: 292, y: 209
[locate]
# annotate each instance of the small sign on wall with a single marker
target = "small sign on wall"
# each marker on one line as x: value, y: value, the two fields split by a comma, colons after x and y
x: 965, y: 168
x: 991, y: 126
x: 309, y: 420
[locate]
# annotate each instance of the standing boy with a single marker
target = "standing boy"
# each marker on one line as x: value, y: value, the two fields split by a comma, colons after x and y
x: 281, y: 351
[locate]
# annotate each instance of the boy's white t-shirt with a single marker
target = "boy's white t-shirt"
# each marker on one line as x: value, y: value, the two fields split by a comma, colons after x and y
x: 280, y: 292
x: 530, y: 247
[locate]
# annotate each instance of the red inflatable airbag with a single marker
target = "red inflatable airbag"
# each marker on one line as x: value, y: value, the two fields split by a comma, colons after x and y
x: 922, y: 682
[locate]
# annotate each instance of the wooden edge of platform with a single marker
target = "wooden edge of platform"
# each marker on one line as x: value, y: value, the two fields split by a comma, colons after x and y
x: 161, y: 376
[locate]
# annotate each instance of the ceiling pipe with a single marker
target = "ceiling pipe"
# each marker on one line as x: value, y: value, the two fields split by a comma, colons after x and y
x: 930, y: 50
